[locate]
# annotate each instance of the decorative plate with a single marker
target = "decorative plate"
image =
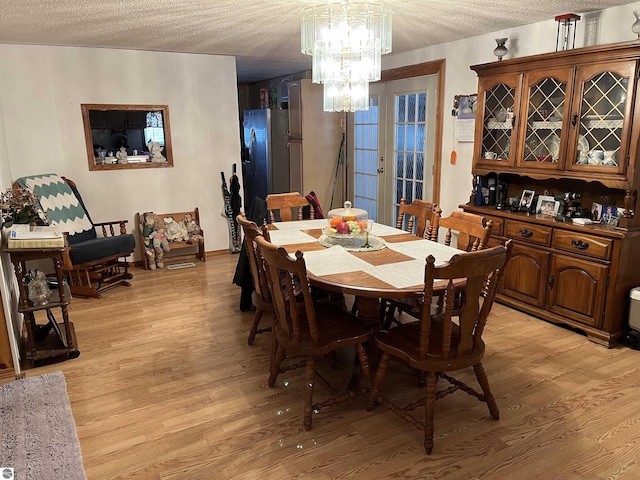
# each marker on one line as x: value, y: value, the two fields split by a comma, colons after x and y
x: 583, y: 149
x: 552, y: 145
x: 375, y: 243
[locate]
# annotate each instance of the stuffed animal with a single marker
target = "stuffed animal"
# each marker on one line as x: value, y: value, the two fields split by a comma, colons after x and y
x: 150, y: 220
x: 160, y: 245
x: 193, y: 229
x: 175, y: 231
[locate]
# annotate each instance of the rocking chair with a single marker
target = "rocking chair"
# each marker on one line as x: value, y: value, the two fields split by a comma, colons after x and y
x: 91, y: 263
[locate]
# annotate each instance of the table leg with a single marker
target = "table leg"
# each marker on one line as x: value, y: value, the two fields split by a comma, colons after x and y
x: 369, y: 311
x: 369, y: 314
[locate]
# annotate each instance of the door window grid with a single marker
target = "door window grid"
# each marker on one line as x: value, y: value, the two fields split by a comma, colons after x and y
x: 602, y: 118
x: 409, y: 147
x: 544, y: 121
x: 366, y: 159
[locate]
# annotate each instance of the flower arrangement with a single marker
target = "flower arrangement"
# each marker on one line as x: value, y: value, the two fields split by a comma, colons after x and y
x: 21, y: 206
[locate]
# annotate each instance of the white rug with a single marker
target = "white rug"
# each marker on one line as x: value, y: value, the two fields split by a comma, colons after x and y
x: 38, y: 436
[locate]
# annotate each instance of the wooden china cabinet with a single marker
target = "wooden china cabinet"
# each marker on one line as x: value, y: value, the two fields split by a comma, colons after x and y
x: 564, y: 123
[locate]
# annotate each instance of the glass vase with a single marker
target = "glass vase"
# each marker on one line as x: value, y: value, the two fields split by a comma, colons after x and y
x: 501, y: 50
x: 635, y: 28
x: 38, y: 289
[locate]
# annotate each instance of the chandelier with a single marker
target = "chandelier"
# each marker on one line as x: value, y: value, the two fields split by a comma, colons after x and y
x: 346, y: 39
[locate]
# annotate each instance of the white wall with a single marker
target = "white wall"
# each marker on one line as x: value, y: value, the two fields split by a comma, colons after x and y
x: 41, y: 131
x: 607, y: 26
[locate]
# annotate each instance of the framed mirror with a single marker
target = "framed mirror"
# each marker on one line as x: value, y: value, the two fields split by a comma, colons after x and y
x: 127, y: 136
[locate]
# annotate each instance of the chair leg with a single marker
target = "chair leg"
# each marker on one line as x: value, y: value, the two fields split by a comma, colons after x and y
x: 308, y: 401
x: 382, y: 369
x: 429, y: 407
x: 254, y: 328
x: 488, y: 396
x: 281, y: 353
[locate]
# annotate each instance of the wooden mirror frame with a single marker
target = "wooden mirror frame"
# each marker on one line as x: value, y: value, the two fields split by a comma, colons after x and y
x: 167, y: 151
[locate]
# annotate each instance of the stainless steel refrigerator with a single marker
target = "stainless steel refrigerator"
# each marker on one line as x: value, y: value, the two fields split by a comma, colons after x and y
x: 265, y: 168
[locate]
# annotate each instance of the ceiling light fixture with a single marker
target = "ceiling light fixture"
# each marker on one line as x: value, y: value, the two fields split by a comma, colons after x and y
x: 346, y: 40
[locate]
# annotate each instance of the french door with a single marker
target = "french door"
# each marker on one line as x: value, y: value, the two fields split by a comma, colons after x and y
x: 394, y: 146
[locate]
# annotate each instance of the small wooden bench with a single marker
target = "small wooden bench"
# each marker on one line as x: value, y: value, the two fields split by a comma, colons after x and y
x: 178, y: 249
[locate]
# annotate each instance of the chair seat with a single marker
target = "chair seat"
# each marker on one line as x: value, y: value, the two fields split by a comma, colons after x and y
x: 338, y: 328
x: 97, y: 249
x: 400, y: 342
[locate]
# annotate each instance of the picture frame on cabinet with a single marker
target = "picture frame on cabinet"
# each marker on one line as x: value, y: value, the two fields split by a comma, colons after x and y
x: 547, y: 205
x: 596, y: 211
x: 609, y: 215
x: 527, y: 198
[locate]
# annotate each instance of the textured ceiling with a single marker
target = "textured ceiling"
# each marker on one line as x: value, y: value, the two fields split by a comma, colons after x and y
x: 263, y: 35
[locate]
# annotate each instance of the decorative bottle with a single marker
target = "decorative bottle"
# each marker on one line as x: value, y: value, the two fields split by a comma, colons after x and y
x: 491, y: 183
x: 479, y: 200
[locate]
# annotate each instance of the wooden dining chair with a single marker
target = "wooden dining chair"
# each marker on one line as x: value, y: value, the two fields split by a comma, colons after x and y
x: 309, y: 329
x: 448, y: 340
x: 420, y: 218
x: 473, y: 231
x: 284, y: 207
x: 261, y: 296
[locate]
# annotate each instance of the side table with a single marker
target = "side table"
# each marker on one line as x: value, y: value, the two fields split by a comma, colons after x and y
x: 59, y: 338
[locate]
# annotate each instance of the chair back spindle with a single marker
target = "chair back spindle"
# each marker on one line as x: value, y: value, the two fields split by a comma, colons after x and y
x: 421, y: 218
x: 473, y: 230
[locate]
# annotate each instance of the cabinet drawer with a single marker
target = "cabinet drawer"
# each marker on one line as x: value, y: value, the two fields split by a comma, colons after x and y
x: 583, y: 244
x: 497, y: 228
x: 528, y: 232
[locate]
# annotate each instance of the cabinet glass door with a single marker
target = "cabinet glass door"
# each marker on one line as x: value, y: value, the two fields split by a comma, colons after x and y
x: 601, y: 133
x: 499, y: 109
x: 545, y: 98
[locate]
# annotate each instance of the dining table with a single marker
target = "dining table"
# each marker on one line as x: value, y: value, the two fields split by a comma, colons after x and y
x: 394, y: 268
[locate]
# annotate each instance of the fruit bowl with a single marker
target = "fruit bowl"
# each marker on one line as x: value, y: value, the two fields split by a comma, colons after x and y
x: 346, y: 226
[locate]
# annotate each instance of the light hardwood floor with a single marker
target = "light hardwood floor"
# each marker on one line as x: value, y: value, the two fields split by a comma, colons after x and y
x: 166, y: 387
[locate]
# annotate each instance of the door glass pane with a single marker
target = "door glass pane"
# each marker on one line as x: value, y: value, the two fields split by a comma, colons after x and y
x: 601, y: 120
x: 496, y: 136
x: 409, y: 147
x: 544, y: 121
x: 366, y: 154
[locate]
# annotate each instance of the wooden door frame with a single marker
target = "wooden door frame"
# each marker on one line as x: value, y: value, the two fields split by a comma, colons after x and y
x: 436, y: 67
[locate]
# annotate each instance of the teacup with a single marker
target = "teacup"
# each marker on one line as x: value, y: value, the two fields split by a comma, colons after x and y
x: 544, y: 158
x: 490, y: 155
x: 595, y: 157
x: 610, y: 158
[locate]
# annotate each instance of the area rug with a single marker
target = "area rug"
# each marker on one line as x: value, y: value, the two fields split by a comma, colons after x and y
x: 38, y: 436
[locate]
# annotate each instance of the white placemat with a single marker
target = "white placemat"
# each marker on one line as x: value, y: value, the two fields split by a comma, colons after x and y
x: 333, y: 260
x: 421, y: 249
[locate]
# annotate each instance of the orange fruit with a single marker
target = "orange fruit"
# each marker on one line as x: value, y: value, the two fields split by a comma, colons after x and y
x: 335, y: 221
x: 349, y: 218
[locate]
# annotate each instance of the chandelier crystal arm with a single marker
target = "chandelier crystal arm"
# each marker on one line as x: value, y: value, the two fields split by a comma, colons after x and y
x: 346, y: 40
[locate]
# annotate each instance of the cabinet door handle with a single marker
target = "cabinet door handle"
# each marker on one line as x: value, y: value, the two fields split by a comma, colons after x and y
x: 551, y: 280
x: 579, y: 244
x: 525, y: 233
x: 574, y: 119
